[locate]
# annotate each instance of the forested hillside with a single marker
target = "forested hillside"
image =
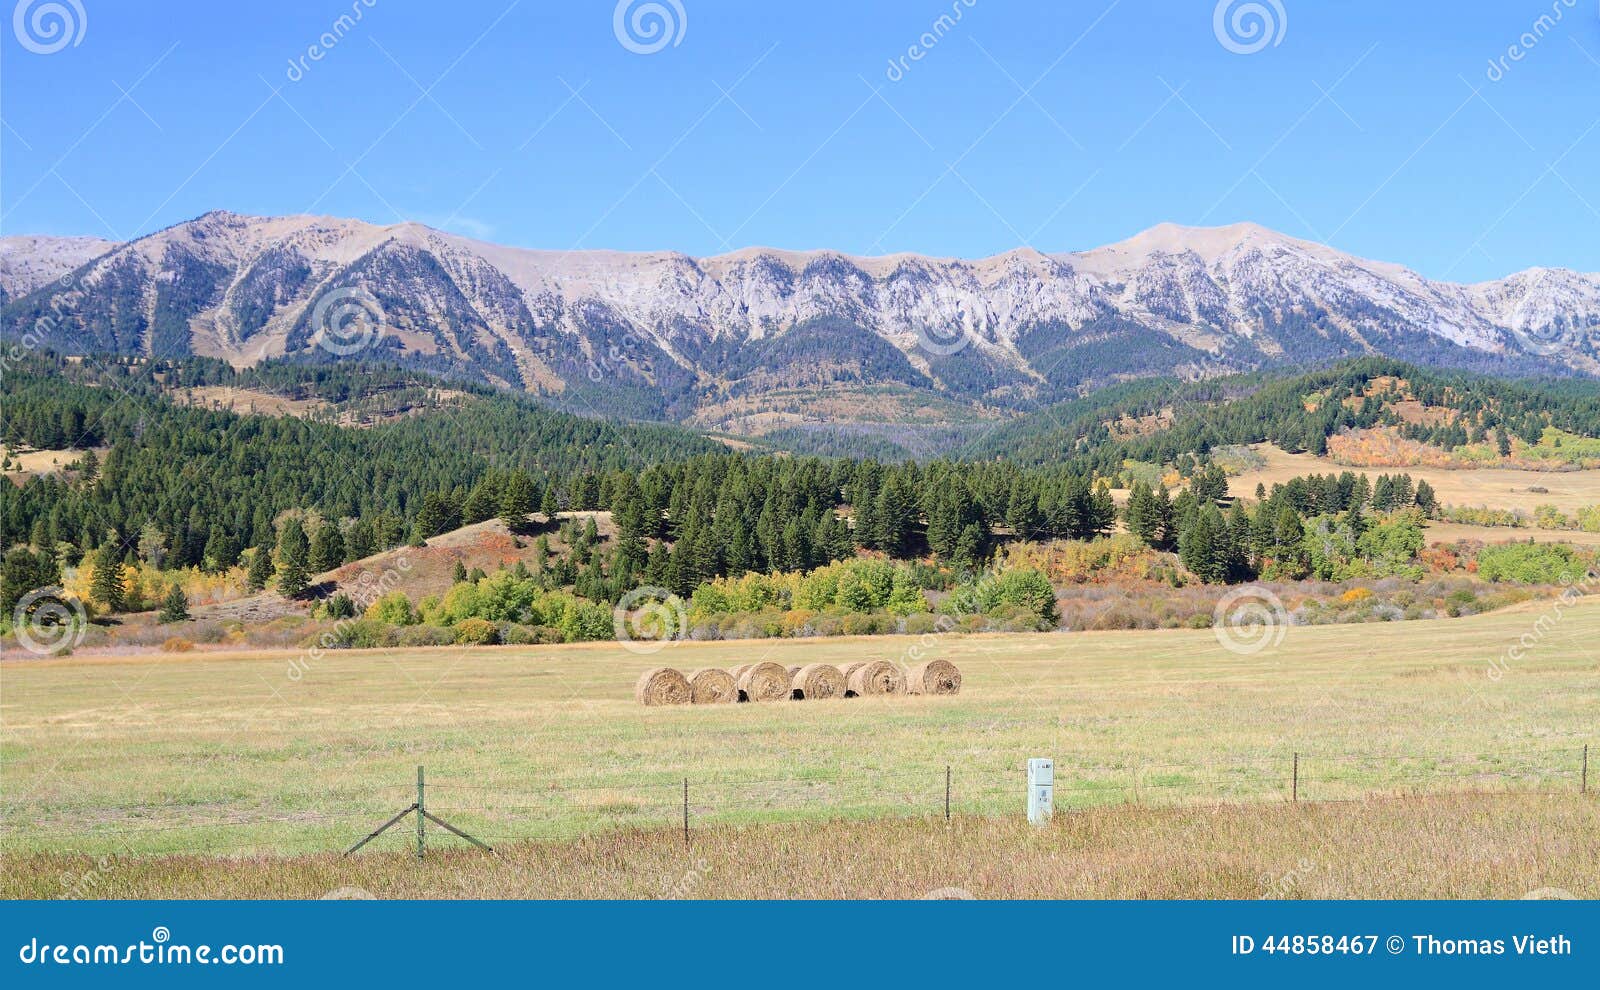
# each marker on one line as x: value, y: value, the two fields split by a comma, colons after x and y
x: 158, y: 486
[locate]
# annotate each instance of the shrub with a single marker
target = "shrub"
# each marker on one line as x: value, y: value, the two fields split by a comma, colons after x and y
x: 176, y: 644
x: 423, y: 636
x: 1529, y: 563
x: 476, y: 632
x: 394, y: 609
x: 339, y: 607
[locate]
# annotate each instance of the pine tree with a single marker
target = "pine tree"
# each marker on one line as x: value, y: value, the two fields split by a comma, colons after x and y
x: 1426, y: 500
x: 1140, y: 513
x: 174, y: 607
x: 327, y: 548
x: 260, y: 568
x: 105, y: 586
x: 1198, y: 546
x: 293, y: 556
x: 517, y: 500
x: 549, y: 506
x: 459, y: 574
x: 896, y: 516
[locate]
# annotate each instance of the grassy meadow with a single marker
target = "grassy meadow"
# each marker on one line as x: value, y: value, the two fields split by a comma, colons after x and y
x: 1456, y: 845
x: 287, y: 752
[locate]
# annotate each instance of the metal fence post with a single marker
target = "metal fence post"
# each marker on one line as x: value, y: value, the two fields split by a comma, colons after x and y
x: 947, y: 792
x: 1294, y: 792
x: 686, y: 811
x: 422, y: 816
x: 1583, y: 782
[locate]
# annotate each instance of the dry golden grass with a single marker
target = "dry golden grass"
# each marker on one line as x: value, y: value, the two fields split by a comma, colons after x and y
x: 1449, y: 532
x: 1459, y: 845
x: 1497, y: 488
x: 31, y: 462
x: 286, y: 752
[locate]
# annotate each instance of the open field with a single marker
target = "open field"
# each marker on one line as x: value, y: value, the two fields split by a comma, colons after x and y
x: 288, y: 752
x: 1457, y: 845
x: 31, y: 462
x: 1497, y: 488
x: 1450, y: 532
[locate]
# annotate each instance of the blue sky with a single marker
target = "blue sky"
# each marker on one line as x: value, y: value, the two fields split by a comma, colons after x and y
x: 1401, y: 131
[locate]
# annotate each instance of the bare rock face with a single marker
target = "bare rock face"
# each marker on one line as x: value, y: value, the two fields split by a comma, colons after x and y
x: 666, y: 336
x: 29, y: 261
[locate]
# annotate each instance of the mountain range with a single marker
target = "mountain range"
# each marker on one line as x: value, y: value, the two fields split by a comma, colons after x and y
x: 761, y: 339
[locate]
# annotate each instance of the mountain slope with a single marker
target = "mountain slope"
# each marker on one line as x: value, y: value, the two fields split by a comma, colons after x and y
x: 787, y: 339
x: 29, y: 261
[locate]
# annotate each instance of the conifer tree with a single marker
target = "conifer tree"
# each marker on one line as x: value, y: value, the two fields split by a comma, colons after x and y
x: 293, y: 559
x: 260, y: 568
x: 174, y: 607
x: 105, y: 585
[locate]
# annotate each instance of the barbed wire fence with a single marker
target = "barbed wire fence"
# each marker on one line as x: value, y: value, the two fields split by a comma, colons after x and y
x: 465, y: 809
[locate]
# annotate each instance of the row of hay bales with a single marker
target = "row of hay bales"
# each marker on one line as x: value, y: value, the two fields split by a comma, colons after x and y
x: 767, y: 681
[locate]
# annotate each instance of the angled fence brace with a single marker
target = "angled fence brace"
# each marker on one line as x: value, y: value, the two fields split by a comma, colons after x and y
x: 382, y: 828
x: 423, y: 816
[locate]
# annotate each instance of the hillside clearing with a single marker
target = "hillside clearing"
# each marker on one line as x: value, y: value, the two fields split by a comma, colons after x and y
x: 1498, y: 488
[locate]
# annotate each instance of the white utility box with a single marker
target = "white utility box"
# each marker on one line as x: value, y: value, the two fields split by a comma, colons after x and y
x: 1041, y: 789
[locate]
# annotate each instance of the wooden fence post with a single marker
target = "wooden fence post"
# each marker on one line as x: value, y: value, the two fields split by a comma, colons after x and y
x: 947, y: 792
x: 686, y: 811
x: 1583, y: 784
x: 1294, y: 792
x: 422, y: 816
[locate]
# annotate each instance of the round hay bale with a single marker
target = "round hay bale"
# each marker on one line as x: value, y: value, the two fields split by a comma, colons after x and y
x: 850, y: 668
x: 793, y: 671
x: 712, y: 686
x: 874, y: 677
x: 662, y: 686
x: 934, y: 677
x: 817, y: 681
x: 765, y: 681
x: 738, y: 671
